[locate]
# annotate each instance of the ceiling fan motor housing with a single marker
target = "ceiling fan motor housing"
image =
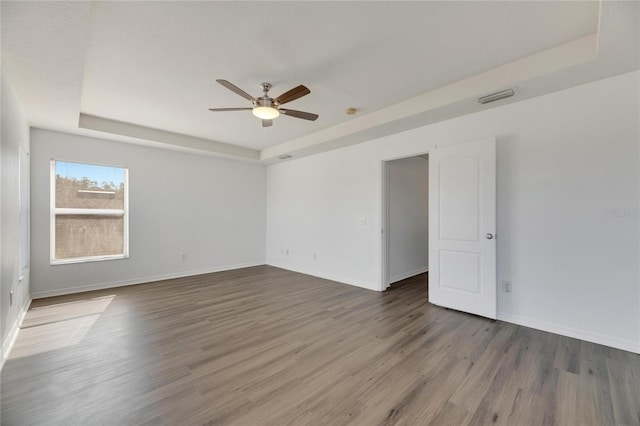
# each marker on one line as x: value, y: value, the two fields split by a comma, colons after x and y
x: 265, y: 101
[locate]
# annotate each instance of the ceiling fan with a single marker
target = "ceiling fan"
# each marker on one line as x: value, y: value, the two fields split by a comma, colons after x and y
x: 268, y: 108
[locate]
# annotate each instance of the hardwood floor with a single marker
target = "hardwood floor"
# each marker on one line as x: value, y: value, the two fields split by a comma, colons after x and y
x: 265, y: 346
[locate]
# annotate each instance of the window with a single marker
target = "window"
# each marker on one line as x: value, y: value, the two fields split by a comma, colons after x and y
x: 89, y: 212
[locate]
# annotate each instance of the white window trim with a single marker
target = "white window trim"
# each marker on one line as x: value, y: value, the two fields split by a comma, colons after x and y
x: 101, y: 212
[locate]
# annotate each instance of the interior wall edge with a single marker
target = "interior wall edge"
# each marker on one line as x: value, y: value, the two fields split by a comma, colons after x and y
x: 14, y: 283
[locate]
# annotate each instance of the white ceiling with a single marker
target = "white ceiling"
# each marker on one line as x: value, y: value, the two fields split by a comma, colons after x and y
x: 138, y: 65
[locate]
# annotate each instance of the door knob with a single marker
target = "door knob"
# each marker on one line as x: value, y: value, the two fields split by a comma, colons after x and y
x: 489, y: 236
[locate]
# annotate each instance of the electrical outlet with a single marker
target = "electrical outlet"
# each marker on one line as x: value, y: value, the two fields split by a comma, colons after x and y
x: 506, y: 286
x: 11, y: 298
x: 183, y: 257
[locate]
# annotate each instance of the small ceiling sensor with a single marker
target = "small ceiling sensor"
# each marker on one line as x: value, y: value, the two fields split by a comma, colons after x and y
x: 284, y: 156
x: 351, y: 111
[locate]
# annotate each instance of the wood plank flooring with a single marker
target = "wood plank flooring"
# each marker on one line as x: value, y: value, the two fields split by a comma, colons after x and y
x: 265, y: 346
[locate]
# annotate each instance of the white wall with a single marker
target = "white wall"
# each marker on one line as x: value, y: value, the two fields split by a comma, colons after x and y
x: 209, y: 208
x: 407, y: 218
x: 15, y: 134
x: 564, y: 161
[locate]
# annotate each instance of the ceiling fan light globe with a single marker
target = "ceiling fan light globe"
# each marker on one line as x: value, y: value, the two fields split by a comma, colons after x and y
x: 265, y: 112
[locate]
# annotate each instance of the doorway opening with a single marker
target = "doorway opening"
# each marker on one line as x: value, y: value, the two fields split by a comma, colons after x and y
x: 405, y: 221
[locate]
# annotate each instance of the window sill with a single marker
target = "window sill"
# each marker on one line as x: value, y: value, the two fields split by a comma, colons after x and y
x: 55, y: 262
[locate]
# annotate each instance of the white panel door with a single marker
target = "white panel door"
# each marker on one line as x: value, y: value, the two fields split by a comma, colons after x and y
x: 462, y: 227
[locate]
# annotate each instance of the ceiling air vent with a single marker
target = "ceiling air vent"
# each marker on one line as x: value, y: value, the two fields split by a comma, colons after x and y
x: 496, y: 96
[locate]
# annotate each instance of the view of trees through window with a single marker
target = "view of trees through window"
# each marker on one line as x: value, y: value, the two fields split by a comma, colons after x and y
x: 90, y: 211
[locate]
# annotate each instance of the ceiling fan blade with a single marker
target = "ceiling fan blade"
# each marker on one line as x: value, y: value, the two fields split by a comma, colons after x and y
x: 229, y: 109
x: 236, y: 89
x: 292, y: 95
x: 267, y: 123
x: 299, y: 114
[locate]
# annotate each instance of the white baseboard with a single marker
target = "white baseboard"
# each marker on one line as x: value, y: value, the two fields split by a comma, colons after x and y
x: 362, y: 284
x: 140, y: 280
x: 7, y: 345
x: 25, y: 308
x: 601, y: 339
x: 406, y: 275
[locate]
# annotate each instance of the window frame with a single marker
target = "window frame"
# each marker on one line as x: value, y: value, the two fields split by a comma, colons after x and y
x: 54, y: 211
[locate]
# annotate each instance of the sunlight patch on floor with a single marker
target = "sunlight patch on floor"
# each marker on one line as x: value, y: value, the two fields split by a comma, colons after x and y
x: 57, y: 326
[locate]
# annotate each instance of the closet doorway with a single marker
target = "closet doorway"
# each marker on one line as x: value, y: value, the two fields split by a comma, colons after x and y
x: 406, y: 182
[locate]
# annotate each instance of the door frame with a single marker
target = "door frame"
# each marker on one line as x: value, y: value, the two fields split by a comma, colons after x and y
x: 384, y: 216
